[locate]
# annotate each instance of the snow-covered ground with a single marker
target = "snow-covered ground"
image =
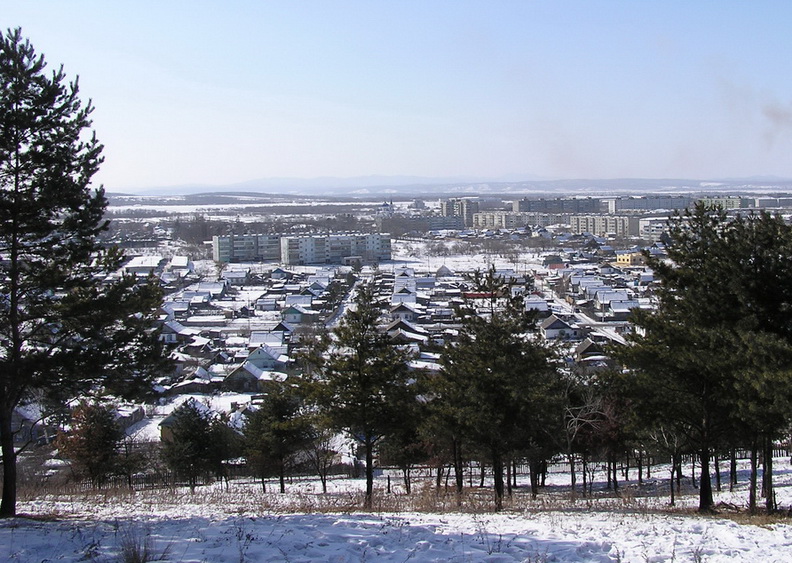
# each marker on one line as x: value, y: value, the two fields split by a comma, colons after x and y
x: 245, y: 524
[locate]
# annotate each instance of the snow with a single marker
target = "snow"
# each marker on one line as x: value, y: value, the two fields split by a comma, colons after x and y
x: 243, y: 523
x: 392, y: 538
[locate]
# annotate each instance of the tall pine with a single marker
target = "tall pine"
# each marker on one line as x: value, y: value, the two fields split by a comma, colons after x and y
x: 63, y: 329
x: 713, y: 360
x: 499, y: 387
x: 364, y: 381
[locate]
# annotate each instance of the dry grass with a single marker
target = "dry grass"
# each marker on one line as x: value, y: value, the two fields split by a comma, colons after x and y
x: 58, y: 500
x: 244, y: 497
x: 764, y: 520
x: 136, y: 546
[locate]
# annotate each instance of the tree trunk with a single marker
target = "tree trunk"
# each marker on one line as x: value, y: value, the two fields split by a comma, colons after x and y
x: 752, y: 481
x: 705, y: 492
x: 716, y: 463
x: 439, y: 481
x: 509, y: 478
x: 534, y: 467
x: 627, y: 466
x: 732, y: 469
x: 459, y: 474
x: 639, y: 461
x: 407, y: 479
x: 584, y: 468
x: 514, y: 473
x: 497, y: 477
x: 572, y: 475
x: 693, y: 470
x: 767, y: 476
x: 615, y: 470
x: 671, y: 482
x: 8, y: 504
x: 369, y: 473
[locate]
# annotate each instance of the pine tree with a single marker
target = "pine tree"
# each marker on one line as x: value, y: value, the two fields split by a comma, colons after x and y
x: 364, y: 380
x: 499, y: 388
x: 717, y: 349
x: 92, y: 442
x: 63, y: 330
x: 188, y: 450
x: 276, y: 432
x: 226, y: 445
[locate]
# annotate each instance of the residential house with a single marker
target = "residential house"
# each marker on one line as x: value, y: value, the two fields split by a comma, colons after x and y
x: 173, y: 332
x: 248, y: 378
x: 297, y: 314
x: 403, y: 311
x: 555, y: 328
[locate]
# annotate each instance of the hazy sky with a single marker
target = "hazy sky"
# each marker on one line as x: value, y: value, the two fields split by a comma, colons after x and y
x: 222, y: 92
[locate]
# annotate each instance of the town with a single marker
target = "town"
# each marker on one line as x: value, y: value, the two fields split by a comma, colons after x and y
x: 234, y: 323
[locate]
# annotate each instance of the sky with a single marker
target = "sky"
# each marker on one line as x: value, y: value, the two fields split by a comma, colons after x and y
x: 216, y: 93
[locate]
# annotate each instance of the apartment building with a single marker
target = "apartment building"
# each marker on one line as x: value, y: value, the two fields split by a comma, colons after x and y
x: 334, y: 248
x: 463, y: 207
x: 600, y: 225
x: 558, y: 205
x: 301, y: 249
x: 246, y: 248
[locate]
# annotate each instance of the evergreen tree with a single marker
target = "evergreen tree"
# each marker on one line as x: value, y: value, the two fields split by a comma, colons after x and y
x: 364, y: 380
x: 500, y: 387
x: 313, y: 346
x: 719, y: 327
x: 276, y: 432
x: 319, y: 448
x: 227, y: 444
x: 403, y: 447
x: 188, y: 450
x: 92, y: 443
x: 63, y: 329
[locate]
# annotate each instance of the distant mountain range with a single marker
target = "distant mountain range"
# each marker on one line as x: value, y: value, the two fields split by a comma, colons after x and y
x: 415, y: 186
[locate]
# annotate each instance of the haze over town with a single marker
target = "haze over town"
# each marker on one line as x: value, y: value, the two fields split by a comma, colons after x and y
x: 203, y: 94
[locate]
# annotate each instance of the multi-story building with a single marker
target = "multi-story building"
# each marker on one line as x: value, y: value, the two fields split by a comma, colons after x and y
x: 501, y: 220
x: 653, y: 228
x: 600, y: 225
x: 514, y: 220
x: 644, y: 203
x: 772, y: 202
x: 303, y: 249
x: 334, y: 248
x: 463, y: 207
x: 245, y: 248
x: 727, y: 202
x: 557, y: 205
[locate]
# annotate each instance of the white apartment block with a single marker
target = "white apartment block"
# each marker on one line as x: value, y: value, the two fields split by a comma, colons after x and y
x: 516, y: 219
x: 333, y: 248
x: 246, y: 248
x: 301, y: 249
x: 601, y: 225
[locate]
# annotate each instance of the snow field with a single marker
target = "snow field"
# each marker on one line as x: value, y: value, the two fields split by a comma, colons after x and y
x: 242, y: 523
